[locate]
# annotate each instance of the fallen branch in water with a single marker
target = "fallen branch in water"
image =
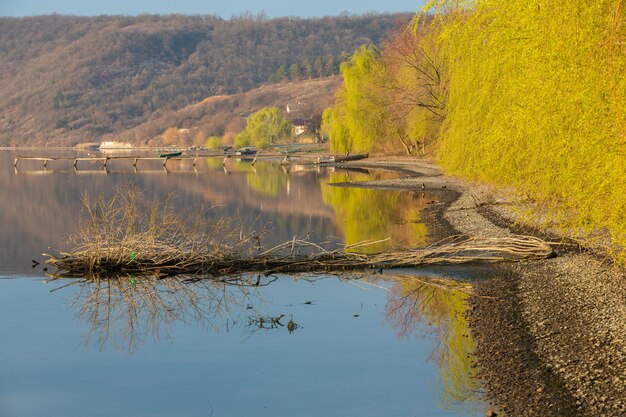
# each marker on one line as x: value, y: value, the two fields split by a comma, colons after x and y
x: 287, y: 257
x: 120, y: 237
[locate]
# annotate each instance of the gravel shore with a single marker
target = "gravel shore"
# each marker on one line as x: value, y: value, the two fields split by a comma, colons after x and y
x: 551, y: 334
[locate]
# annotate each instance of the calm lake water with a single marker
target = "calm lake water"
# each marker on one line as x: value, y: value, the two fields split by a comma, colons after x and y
x: 394, y: 344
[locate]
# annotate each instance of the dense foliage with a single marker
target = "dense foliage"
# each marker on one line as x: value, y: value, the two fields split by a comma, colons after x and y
x: 354, y: 124
x: 214, y: 142
x: 538, y: 99
x: 517, y: 92
x: 74, y: 78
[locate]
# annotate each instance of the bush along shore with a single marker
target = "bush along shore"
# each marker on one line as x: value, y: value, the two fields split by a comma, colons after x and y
x: 528, y: 97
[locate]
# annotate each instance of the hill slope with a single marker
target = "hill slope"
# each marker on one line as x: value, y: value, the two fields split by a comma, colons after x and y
x: 66, y: 79
x: 225, y: 115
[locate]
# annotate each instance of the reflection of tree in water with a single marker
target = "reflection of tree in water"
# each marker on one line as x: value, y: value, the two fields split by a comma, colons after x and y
x: 368, y: 214
x: 215, y: 163
x: 125, y: 311
x: 442, y: 304
x: 267, y: 179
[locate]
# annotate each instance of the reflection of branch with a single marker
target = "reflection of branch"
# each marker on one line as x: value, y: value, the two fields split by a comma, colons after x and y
x: 126, y: 309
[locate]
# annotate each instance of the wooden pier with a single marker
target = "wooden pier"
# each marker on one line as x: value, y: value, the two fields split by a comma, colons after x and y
x: 283, y: 159
x: 105, y: 159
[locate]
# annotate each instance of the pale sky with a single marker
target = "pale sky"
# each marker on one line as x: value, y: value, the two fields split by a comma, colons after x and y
x: 223, y: 8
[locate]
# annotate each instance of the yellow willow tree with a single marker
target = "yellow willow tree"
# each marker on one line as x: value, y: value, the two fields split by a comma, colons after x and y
x: 391, y: 99
x: 355, y: 123
x: 537, y: 99
x: 264, y: 128
x: 415, y: 91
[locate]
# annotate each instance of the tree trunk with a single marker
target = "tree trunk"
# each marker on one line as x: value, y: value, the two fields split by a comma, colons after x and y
x: 406, y: 147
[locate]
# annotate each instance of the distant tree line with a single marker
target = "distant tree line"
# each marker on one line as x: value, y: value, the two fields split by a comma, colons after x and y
x: 322, y: 67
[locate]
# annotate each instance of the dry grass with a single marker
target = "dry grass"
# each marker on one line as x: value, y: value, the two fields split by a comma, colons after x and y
x: 128, y: 234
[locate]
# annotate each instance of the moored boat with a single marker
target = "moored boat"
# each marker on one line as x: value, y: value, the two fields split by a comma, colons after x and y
x: 170, y: 154
x: 246, y: 151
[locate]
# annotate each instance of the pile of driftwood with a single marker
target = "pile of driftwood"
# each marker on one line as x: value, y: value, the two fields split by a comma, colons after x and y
x: 119, y: 237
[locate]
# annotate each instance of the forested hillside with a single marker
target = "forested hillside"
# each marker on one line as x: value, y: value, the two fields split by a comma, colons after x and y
x: 67, y: 79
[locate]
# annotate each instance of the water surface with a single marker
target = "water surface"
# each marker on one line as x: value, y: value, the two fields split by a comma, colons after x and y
x: 383, y: 345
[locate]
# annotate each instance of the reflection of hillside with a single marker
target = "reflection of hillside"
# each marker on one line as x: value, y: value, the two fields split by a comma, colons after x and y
x: 40, y: 211
x: 35, y: 212
x: 267, y: 187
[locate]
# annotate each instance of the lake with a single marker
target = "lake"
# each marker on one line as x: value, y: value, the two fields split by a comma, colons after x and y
x: 370, y: 344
